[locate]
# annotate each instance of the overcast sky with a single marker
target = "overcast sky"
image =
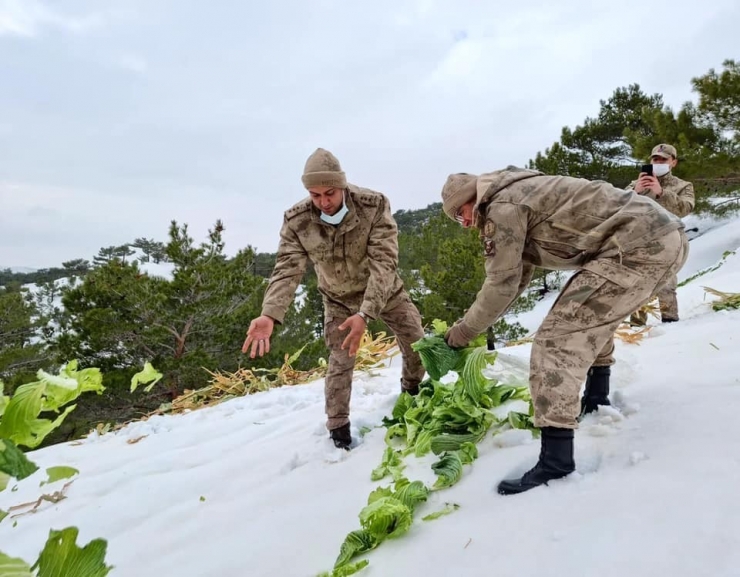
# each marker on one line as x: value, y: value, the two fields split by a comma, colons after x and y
x: 119, y: 116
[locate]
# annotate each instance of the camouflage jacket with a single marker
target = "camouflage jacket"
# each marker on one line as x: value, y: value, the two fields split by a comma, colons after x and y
x: 677, y: 197
x: 356, y: 261
x: 530, y: 220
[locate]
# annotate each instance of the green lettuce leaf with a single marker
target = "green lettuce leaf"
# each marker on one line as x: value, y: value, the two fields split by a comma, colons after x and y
x: 437, y: 356
x: 347, y: 570
x: 403, y: 404
x: 448, y: 508
x: 424, y: 442
x: 379, y: 493
x: 55, y: 474
x: 473, y: 381
x: 356, y: 543
x: 61, y: 557
x: 448, y: 470
x: 444, y: 443
x: 14, y: 463
x: 152, y: 376
x: 439, y: 327
x: 397, y: 430
x: 12, y: 567
x: 468, y: 453
x: 411, y: 493
x: 20, y: 422
x: 499, y: 394
x: 68, y: 385
x: 392, y: 465
x: 386, y: 518
x: 520, y: 420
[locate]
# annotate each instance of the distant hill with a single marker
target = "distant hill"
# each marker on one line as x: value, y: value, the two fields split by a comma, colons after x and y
x: 18, y: 269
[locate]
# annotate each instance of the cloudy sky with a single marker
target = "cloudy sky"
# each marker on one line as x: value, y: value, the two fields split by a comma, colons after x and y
x: 118, y: 116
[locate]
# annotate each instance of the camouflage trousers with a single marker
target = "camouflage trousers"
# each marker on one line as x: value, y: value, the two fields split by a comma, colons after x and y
x: 405, y: 322
x: 578, y: 332
x: 668, y: 301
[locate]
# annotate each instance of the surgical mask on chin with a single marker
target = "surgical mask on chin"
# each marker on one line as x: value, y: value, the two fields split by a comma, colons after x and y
x: 335, y: 219
x: 661, y: 169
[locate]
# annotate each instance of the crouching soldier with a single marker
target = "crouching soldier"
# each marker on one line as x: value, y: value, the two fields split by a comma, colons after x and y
x: 622, y: 246
x: 349, y: 235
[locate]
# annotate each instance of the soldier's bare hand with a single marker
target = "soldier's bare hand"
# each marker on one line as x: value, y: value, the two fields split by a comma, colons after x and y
x: 647, y: 183
x: 356, y: 326
x: 643, y: 183
x: 258, y: 336
x: 655, y: 187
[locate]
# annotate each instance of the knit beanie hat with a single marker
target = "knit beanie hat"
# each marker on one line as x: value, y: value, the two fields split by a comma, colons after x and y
x: 323, y: 169
x: 459, y: 189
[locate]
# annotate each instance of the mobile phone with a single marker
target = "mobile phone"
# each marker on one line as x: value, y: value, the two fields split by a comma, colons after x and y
x: 647, y: 169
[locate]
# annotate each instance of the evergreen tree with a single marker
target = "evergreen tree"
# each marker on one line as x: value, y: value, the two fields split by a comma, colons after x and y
x: 20, y: 348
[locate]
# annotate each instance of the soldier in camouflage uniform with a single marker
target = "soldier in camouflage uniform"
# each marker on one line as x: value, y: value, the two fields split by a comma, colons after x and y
x: 622, y: 246
x: 350, y: 236
x: 677, y: 197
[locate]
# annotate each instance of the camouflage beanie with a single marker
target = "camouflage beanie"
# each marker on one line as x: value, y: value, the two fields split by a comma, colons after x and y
x: 323, y: 169
x: 459, y: 189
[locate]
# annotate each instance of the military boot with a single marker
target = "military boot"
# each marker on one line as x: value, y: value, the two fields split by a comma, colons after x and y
x: 412, y: 390
x: 555, y: 462
x: 597, y: 389
x: 341, y: 437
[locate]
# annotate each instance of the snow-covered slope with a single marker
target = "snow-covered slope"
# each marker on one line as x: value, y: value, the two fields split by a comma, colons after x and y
x: 253, y: 487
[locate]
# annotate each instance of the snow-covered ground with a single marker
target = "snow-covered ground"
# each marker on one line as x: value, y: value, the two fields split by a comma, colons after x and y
x: 253, y: 487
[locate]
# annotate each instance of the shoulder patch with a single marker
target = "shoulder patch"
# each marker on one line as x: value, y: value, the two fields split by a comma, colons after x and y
x: 489, y: 247
x: 366, y: 196
x: 299, y: 208
x: 489, y: 228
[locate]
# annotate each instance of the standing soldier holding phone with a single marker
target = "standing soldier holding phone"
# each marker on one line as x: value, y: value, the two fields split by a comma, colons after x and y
x: 657, y: 181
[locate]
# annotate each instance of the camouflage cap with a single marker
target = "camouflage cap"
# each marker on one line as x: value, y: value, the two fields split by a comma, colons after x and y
x: 323, y: 169
x: 459, y: 189
x: 664, y: 151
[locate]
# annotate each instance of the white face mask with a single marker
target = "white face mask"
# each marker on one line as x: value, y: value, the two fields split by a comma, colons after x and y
x: 335, y: 219
x: 661, y: 169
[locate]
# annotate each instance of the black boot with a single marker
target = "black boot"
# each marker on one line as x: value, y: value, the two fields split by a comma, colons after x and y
x: 412, y: 390
x: 341, y: 437
x: 597, y: 389
x: 556, y: 461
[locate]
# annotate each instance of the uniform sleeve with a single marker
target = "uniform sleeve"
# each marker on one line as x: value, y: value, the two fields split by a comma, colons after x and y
x: 631, y: 186
x: 679, y: 200
x: 527, y: 274
x: 504, y: 236
x: 290, y: 265
x: 382, y: 254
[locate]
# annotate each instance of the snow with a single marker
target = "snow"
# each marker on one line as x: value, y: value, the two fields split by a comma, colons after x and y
x: 254, y: 487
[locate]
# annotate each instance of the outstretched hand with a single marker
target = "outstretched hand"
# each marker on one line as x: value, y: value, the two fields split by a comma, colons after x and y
x: 356, y: 325
x: 258, y: 336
